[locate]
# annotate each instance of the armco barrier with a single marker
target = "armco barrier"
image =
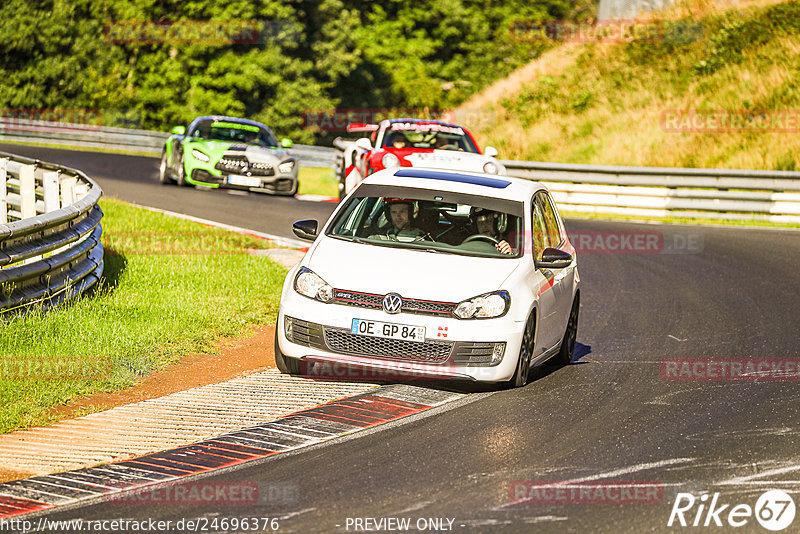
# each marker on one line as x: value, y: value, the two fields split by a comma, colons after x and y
x: 666, y: 191
x: 50, y: 230
x: 86, y: 135
x: 659, y: 191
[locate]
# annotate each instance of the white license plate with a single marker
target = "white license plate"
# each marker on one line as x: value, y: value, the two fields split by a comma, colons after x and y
x: 245, y: 181
x: 387, y: 330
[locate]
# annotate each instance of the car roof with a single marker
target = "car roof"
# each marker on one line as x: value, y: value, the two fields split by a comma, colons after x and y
x: 224, y: 118
x: 481, y: 184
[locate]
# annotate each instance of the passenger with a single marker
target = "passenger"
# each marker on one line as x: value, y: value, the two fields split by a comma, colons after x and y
x: 486, y: 223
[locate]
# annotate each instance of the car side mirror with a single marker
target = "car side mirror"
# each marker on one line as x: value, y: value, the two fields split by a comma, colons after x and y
x: 490, y: 151
x: 554, y: 258
x: 364, y: 143
x: 179, y: 130
x: 286, y: 142
x: 305, y: 229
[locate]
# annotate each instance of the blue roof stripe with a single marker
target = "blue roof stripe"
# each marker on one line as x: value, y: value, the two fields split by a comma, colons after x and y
x: 453, y: 177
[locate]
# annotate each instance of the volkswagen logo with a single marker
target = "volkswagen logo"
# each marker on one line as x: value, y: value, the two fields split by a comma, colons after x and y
x: 392, y: 303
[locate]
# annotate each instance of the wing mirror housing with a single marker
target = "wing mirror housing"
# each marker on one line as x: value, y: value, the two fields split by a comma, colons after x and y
x: 364, y: 143
x: 179, y: 130
x: 286, y: 142
x: 305, y: 229
x: 491, y: 151
x: 553, y: 258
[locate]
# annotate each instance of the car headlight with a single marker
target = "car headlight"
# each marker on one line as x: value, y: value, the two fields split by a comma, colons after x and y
x: 490, y: 168
x: 312, y: 286
x: 286, y: 167
x: 390, y: 160
x: 200, y: 156
x: 484, y: 306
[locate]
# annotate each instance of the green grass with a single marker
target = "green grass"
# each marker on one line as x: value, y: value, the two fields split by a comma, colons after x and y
x: 170, y: 287
x: 318, y: 181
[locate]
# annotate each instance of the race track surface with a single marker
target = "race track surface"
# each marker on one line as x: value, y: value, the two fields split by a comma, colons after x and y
x: 615, y: 415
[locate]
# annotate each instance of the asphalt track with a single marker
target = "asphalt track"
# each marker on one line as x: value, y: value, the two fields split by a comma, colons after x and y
x: 609, y: 417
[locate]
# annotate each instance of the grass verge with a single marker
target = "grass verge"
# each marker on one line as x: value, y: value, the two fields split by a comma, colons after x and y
x: 170, y: 287
x: 318, y: 181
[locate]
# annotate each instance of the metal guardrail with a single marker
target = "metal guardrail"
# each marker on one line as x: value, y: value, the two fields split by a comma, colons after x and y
x: 150, y: 142
x: 50, y: 230
x: 666, y: 191
x: 659, y: 191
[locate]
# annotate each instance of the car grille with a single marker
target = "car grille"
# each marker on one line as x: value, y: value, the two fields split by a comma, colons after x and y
x: 473, y: 353
x: 306, y: 333
x: 241, y: 165
x: 370, y: 300
x: 201, y: 175
x: 343, y: 342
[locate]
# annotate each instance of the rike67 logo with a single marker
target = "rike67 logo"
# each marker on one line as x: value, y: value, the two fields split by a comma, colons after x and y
x: 774, y: 510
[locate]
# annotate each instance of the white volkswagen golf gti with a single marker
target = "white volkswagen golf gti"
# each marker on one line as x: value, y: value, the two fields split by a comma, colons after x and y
x: 436, y: 274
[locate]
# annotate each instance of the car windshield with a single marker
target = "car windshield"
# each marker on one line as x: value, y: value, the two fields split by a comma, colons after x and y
x: 433, y: 221
x: 235, y: 132
x: 428, y: 136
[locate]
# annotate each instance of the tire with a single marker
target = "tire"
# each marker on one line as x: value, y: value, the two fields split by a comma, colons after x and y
x: 163, y: 174
x: 181, y: 175
x: 567, y: 350
x: 520, y: 377
x: 286, y: 365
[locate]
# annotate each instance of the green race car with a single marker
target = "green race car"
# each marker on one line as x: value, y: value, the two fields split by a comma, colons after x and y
x: 229, y: 152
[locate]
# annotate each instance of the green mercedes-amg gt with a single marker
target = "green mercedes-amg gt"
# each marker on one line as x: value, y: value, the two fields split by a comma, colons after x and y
x: 229, y: 152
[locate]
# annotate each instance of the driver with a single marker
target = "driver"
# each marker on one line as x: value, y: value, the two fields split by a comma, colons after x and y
x: 399, y: 212
x: 485, y: 221
x: 398, y: 140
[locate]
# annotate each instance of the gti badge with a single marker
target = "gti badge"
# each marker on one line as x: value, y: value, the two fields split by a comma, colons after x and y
x: 392, y: 303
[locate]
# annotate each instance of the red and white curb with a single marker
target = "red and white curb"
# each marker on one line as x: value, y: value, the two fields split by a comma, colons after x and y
x: 300, y: 429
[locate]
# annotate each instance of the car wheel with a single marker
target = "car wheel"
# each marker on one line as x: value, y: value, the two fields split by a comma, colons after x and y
x: 568, y: 343
x: 520, y: 377
x: 286, y: 365
x: 163, y: 175
x: 181, y: 175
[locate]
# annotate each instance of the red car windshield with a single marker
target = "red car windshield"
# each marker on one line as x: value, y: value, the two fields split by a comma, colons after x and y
x: 428, y: 136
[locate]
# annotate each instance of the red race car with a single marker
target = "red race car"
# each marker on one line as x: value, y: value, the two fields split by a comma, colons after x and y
x: 413, y: 143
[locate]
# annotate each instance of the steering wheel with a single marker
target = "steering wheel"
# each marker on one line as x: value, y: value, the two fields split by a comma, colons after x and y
x: 482, y: 237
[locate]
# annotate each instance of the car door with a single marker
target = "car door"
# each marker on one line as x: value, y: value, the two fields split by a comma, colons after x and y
x: 548, y: 330
x: 562, y: 278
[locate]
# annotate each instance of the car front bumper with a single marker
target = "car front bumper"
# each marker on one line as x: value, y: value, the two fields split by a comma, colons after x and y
x: 321, y: 338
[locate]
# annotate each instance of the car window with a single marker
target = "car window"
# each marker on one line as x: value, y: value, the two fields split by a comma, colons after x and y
x: 540, y: 238
x: 550, y: 219
x: 428, y: 136
x: 436, y: 222
x: 234, y: 132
